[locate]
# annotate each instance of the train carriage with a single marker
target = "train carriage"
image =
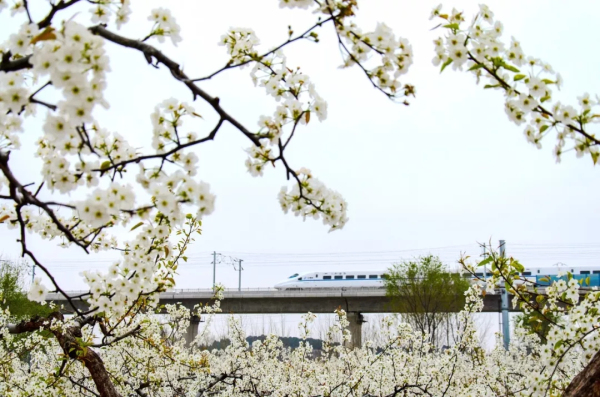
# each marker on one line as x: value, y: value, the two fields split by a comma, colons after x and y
x: 374, y: 278
x: 348, y: 279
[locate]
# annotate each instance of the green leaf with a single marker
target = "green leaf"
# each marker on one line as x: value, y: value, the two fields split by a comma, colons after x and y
x: 448, y: 62
x: 548, y: 81
x: 544, y: 128
x: 519, y: 77
x: 485, y: 261
x: 539, y: 298
x: 558, y: 344
x: 498, y: 62
x: 452, y: 26
x: 475, y: 67
x: 511, y: 68
x: 106, y: 165
x: 491, y: 86
x: 136, y: 226
x: 544, y: 99
x: 520, y: 268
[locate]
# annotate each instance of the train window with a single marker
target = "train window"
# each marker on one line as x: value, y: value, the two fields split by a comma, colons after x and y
x: 373, y: 276
x: 526, y: 273
x: 326, y: 277
x: 478, y: 274
x: 596, y: 272
x: 584, y: 272
x: 361, y: 276
x: 299, y: 278
x: 349, y: 277
x: 338, y: 277
x: 293, y: 275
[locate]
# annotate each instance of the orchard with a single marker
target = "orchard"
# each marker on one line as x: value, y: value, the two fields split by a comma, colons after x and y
x: 95, y: 183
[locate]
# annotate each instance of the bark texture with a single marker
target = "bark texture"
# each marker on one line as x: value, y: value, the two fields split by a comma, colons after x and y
x: 67, y: 339
x: 587, y: 382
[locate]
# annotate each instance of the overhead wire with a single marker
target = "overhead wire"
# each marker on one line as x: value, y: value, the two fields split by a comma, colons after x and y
x: 589, y: 252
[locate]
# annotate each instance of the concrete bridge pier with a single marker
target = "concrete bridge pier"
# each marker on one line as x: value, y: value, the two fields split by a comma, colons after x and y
x: 356, y: 320
x: 192, y: 330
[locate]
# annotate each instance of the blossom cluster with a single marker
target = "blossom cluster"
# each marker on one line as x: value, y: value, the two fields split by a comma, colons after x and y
x: 37, y: 291
x: 148, y: 266
x: 570, y: 312
x: 76, y: 152
x: 404, y: 361
x: 40, y: 223
x: 13, y: 98
x: 167, y: 119
x: 240, y: 44
x: 103, y: 10
x: 311, y: 198
x: 394, y: 54
x: 76, y: 64
x: 527, y: 82
x: 165, y: 25
x: 297, y: 100
x: 380, y: 54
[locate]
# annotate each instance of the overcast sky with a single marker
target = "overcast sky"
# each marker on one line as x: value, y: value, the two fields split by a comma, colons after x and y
x: 438, y: 176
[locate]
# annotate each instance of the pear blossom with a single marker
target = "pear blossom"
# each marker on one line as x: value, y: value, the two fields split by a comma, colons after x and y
x: 528, y: 93
x: 37, y: 291
x: 94, y: 181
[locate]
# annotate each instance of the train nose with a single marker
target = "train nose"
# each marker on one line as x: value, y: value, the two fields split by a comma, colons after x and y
x: 281, y: 284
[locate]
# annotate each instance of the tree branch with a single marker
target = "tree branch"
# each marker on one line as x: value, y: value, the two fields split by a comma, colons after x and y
x: 16, y: 65
x: 151, y: 52
x: 587, y: 382
x: 61, y: 5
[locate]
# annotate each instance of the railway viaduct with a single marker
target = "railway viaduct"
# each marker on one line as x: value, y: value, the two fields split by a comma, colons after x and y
x: 355, y: 302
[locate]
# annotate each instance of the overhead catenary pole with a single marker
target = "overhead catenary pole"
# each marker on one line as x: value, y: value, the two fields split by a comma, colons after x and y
x: 504, y: 296
x: 240, y: 274
x: 215, y: 268
x: 483, y: 255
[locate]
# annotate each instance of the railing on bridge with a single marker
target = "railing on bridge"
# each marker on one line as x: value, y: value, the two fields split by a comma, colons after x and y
x: 254, y: 292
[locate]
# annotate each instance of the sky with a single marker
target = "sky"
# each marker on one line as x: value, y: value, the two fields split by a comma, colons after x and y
x: 439, y: 176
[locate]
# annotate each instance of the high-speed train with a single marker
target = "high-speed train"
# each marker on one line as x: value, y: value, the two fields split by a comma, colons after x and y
x: 348, y: 279
x: 373, y: 278
x: 548, y: 275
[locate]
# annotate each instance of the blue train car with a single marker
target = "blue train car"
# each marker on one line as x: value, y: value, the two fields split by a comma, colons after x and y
x: 594, y: 279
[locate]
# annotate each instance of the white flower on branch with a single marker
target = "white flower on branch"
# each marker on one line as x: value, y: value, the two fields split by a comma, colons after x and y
x: 37, y: 291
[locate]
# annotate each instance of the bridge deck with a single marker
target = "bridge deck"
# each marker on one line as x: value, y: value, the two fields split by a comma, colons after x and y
x: 258, y: 301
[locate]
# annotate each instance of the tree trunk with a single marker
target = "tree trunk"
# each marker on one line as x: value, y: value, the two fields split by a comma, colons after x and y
x: 68, y: 342
x: 587, y: 382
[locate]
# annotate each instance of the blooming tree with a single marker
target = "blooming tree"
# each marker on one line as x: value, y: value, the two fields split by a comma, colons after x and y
x: 155, y: 192
x: 526, y: 82
x: 121, y: 345
x: 570, y: 309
